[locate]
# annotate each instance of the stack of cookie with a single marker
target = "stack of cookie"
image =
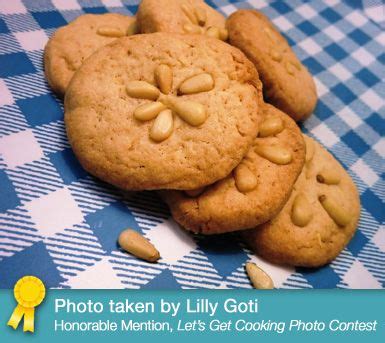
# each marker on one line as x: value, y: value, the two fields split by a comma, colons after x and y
x: 180, y: 100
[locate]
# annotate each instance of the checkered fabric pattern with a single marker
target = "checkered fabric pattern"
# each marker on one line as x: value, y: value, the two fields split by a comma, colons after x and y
x: 61, y: 224
x: 375, y: 10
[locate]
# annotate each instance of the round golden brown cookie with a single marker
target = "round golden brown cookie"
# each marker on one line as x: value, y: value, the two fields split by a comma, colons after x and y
x: 287, y: 84
x: 257, y: 188
x: 181, y: 16
x: 70, y: 45
x: 318, y: 220
x: 163, y: 111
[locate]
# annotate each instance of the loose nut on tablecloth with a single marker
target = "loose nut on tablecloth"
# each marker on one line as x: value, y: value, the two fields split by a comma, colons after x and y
x: 142, y: 90
x: 301, y: 211
x: 335, y: 210
x: 258, y: 277
x: 162, y: 127
x: 134, y: 243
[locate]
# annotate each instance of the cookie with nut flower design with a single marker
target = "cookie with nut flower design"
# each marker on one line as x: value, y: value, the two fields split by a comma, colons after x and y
x: 163, y: 111
x: 70, y: 45
x: 287, y: 84
x: 318, y: 220
x: 257, y: 188
x: 181, y: 16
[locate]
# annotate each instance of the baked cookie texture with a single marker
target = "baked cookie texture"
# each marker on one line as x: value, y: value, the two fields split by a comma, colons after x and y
x: 70, y: 45
x: 287, y: 84
x: 255, y: 191
x: 318, y: 220
x: 112, y: 144
x: 177, y: 16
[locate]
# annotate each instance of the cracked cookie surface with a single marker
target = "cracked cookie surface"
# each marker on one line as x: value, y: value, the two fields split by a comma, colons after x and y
x: 257, y: 188
x: 287, y: 84
x: 112, y: 144
x: 70, y: 45
x: 319, y: 218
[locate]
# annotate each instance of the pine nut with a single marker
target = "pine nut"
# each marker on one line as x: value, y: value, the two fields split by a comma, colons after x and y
x: 274, y: 154
x: 301, y: 211
x: 148, y: 111
x: 191, y: 28
x: 199, y: 83
x: 335, y: 211
x: 258, y: 277
x: 142, y: 90
x: 270, y: 127
x: 162, y: 127
x: 289, y: 68
x: 191, y: 112
x: 269, y: 33
x: 213, y: 31
x: 309, y: 149
x: 308, y: 168
x: 163, y: 78
x: 135, y: 244
x: 187, y: 10
x: 200, y: 15
x: 328, y: 176
x: 245, y: 180
x: 132, y: 29
x: 195, y: 192
x: 109, y: 31
x: 223, y: 34
x: 296, y: 64
x: 276, y: 55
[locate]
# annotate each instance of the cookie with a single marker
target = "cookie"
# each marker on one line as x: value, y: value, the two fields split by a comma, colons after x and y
x: 287, y: 84
x: 163, y: 111
x: 70, y: 45
x: 318, y: 220
x: 257, y: 188
x: 181, y: 16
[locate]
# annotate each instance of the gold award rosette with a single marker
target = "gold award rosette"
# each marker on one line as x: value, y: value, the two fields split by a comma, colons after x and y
x: 29, y: 292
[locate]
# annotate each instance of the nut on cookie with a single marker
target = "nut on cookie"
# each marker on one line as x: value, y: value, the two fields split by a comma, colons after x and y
x: 70, y: 45
x: 257, y: 188
x: 163, y: 111
x: 287, y: 84
x: 319, y: 218
x: 181, y: 16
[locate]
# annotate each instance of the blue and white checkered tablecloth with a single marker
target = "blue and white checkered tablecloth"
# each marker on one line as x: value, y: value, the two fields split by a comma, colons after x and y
x: 61, y: 224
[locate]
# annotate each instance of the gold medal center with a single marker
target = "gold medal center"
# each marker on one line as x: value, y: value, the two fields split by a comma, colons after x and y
x: 30, y: 291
